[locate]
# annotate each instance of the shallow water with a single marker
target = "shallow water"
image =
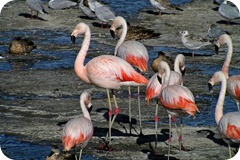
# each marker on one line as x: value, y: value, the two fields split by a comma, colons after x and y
x: 65, y: 57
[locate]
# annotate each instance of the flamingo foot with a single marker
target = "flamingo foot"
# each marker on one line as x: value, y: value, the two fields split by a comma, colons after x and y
x: 104, y: 147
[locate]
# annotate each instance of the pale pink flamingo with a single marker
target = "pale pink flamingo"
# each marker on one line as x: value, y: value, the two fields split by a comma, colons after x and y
x: 105, y: 71
x: 229, y: 123
x: 233, y: 82
x: 153, y: 88
x: 79, y: 131
x: 134, y: 53
x: 178, y: 100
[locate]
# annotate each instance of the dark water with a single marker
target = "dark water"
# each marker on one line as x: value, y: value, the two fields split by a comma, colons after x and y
x: 53, y: 57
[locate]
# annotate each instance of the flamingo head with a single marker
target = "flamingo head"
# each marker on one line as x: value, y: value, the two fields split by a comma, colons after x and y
x: 86, y: 97
x: 216, y: 78
x: 117, y: 25
x: 78, y: 30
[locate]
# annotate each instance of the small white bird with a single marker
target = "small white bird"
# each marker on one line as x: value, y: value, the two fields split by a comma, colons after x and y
x: 61, y: 4
x: 228, y: 11
x: 164, y: 5
x: 193, y: 42
x: 104, y: 13
x: 35, y: 5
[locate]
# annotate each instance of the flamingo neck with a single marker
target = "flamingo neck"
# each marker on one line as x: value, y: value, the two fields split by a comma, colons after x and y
x: 220, y: 102
x: 84, y: 110
x: 122, y: 37
x: 166, y: 77
x: 177, y: 67
x: 79, y: 67
x: 227, y: 61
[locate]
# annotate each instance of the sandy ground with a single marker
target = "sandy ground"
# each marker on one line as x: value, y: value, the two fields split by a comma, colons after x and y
x: 43, y: 98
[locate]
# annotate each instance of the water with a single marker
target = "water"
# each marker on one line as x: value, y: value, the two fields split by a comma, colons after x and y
x: 64, y: 58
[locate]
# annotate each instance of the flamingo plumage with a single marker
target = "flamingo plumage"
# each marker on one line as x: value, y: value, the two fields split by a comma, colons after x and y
x: 134, y: 52
x: 105, y: 71
x: 153, y: 88
x: 79, y: 131
x: 233, y: 82
x: 178, y: 100
x: 229, y: 123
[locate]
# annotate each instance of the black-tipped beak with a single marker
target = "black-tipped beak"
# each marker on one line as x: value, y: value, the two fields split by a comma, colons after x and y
x: 159, y: 79
x: 183, y: 72
x: 73, y: 39
x: 210, y: 87
x: 216, y: 49
x: 112, y: 33
x: 90, y: 109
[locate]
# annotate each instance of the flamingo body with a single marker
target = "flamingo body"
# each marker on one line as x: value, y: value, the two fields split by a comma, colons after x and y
x: 178, y: 100
x: 112, y: 72
x: 134, y: 53
x: 153, y: 88
x: 77, y: 131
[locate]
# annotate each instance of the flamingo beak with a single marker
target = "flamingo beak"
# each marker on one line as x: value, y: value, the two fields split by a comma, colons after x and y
x: 73, y: 39
x: 90, y: 109
x: 112, y: 33
x: 216, y: 49
x: 183, y: 71
x: 210, y: 87
x: 159, y: 79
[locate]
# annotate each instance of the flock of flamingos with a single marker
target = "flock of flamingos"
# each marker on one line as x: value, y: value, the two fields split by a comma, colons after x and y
x: 111, y: 72
x: 166, y: 86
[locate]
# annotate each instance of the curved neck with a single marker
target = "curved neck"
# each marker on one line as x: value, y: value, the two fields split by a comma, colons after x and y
x: 220, y: 102
x: 166, y: 77
x: 84, y: 110
x: 177, y: 66
x: 79, y: 67
x: 227, y: 61
x: 122, y: 37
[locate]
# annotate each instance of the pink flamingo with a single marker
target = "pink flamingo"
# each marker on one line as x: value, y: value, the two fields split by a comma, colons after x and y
x: 178, y: 100
x: 105, y: 71
x: 233, y: 82
x: 229, y: 123
x: 153, y: 88
x: 134, y: 52
x: 79, y: 131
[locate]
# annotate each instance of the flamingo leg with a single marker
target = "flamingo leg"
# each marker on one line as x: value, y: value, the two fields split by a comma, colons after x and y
x: 238, y: 106
x: 139, y: 111
x: 116, y: 109
x: 180, y: 137
x: 230, y: 152
x: 170, y: 134
x: 80, y: 154
x: 110, y: 116
x: 156, y: 124
x: 130, y: 110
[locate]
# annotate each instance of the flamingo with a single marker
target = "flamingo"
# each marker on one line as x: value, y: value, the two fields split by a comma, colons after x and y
x: 229, y: 123
x: 134, y: 53
x: 153, y: 88
x: 233, y: 82
x: 79, y: 131
x: 178, y: 100
x: 105, y: 71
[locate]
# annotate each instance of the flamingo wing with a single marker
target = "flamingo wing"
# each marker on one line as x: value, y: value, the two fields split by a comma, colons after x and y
x: 233, y: 86
x: 77, y: 131
x: 229, y: 126
x: 153, y: 88
x: 177, y: 97
x: 134, y: 53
